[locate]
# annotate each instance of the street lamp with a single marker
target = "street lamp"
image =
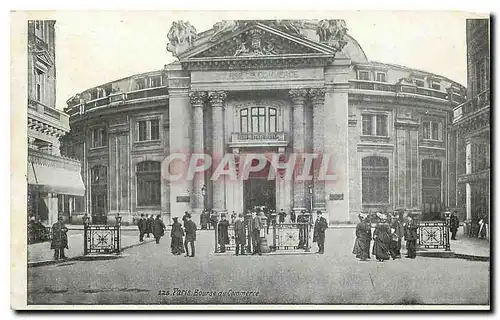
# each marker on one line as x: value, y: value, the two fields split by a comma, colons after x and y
x: 311, y: 197
x: 203, y: 193
x: 118, y: 219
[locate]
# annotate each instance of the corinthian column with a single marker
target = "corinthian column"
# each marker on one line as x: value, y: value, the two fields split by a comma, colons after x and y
x: 217, y: 100
x: 318, y: 101
x: 197, y: 99
x: 298, y: 97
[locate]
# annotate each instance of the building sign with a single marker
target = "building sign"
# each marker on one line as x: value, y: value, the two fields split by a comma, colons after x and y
x: 257, y: 75
x: 183, y: 199
x: 336, y: 196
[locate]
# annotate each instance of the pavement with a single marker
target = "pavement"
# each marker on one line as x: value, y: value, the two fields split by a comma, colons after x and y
x: 150, y: 274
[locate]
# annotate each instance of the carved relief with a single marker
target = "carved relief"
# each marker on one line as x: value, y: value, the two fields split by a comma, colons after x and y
x: 317, y: 95
x: 217, y: 98
x: 333, y: 32
x: 197, y: 98
x: 298, y: 95
x: 180, y: 36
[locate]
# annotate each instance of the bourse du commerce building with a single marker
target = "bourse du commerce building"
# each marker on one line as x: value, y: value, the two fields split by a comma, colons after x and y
x: 258, y: 87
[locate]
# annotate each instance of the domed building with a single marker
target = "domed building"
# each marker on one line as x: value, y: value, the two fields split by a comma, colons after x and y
x: 267, y: 87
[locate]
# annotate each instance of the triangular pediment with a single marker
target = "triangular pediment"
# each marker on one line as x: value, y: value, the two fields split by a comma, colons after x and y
x: 254, y: 40
x: 44, y: 57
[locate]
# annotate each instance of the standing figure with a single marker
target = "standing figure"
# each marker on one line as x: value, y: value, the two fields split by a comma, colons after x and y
x: 397, y: 235
x: 282, y: 215
x: 381, y: 239
x: 239, y: 235
x: 483, y: 227
x: 256, y: 224
x: 184, y: 218
x: 190, y: 227
x: 158, y: 228
x: 454, y: 224
x: 363, y: 238
x: 222, y: 234
x: 233, y: 217
x: 141, y: 224
x: 213, y: 219
x: 301, y: 218
x: 176, y: 234
x: 411, y: 237
x: 149, y: 225
x: 319, y: 232
x: 292, y: 216
x: 59, y: 239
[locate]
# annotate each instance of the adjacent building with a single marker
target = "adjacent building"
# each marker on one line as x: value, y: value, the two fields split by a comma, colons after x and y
x: 53, y: 180
x: 471, y: 125
x: 280, y: 86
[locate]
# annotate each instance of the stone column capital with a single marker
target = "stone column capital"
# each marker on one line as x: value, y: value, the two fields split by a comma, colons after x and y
x: 298, y: 96
x: 217, y: 98
x: 317, y: 95
x: 197, y: 98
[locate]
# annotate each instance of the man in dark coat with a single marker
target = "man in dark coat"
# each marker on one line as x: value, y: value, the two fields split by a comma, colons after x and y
x: 149, y: 225
x: 158, y: 229
x: 141, y: 224
x: 397, y: 234
x: 222, y: 233
x: 204, y: 220
x: 292, y: 216
x: 239, y: 234
x: 59, y: 239
x: 256, y: 226
x: 176, y: 234
x: 213, y: 219
x: 319, y: 232
x: 282, y: 215
x: 190, y: 238
x: 454, y: 224
x: 301, y: 218
x: 411, y: 237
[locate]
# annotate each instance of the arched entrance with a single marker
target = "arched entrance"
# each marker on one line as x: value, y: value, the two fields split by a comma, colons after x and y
x: 258, y: 191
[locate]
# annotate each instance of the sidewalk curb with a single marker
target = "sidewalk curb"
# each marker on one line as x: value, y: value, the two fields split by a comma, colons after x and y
x: 451, y: 254
x: 88, y: 257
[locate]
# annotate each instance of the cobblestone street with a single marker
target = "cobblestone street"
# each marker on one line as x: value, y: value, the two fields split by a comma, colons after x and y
x: 150, y: 274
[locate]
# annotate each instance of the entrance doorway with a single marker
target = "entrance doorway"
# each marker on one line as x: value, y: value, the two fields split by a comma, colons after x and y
x: 259, y: 192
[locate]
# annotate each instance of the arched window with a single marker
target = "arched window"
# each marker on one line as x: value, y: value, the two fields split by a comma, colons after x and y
x: 260, y: 119
x: 148, y: 183
x: 375, y: 179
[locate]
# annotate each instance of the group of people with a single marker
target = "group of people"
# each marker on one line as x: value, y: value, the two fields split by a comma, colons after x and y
x: 387, y: 237
x: 148, y: 225
x: 255, y: 225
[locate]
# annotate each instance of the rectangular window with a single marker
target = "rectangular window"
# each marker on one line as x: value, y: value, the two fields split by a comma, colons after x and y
x: 433, y: 130
x: 427, y: 130
x: 381, y: 125
x: 40, y: 85
x: 367, y: 124
x: 39, y: 29
x: 255, y: 119
x: 99, y: 137
x: 272, y: 120
x: 143, y: 136
x: 364, y: 75
x: 244, y: 120
x: 381, y: 77
x: 435, y: 86
x: 262, y: 119
x: 155, y: 129
x: 155, y: 82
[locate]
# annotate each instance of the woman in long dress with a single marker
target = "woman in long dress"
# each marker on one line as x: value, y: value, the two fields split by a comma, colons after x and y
x: 363, y: 239
x: 381, y: 239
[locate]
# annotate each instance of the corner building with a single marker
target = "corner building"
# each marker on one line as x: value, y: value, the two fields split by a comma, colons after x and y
x: 279, y: 86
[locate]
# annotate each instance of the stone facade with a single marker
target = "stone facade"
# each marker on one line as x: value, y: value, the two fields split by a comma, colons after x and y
x: 230, y: 93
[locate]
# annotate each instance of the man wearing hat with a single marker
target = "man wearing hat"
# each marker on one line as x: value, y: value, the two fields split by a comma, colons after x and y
x: 141, y: 224
x: 176, y: 234
x: 222, y: 234
x: 320, y: 227
x: 282, y: 215
x: 190, y: 227
x: 256, y: 226
x: 59, y: 239
x: 239, y: 234
x: 301, y: 218
x: 411, y: 237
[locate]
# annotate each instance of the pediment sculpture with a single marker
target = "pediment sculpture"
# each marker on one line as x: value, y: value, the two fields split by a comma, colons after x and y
x: 332, y: 32
x: 180, y: 36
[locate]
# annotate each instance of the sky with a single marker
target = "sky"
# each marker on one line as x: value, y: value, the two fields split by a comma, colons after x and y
x: 93, y: 48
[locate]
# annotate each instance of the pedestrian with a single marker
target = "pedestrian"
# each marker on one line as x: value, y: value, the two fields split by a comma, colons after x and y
x: 256, y: 224
x: 302, y: 221
x: 363, y: 238
x: 222, y: 233
x: 184, y: 219
x: 398, y: 234
x: 483, y: 227
x: 141, y: 224
x: 381, y: 239
x: 320, y: 227
x: 454, y: 224
x: 59, y: 239
x: 411, y: 237
x: 190, y: 238
x: 239, y: 235
x: 149, y: 225
x: 158, y: 229
x: 282, y: 215
x: 292, y: 216
x: 233, y: 217
x: 176, y: 234
x: 213, y: 219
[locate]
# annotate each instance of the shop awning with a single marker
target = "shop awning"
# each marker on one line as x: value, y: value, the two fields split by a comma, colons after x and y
x: 57, y: 180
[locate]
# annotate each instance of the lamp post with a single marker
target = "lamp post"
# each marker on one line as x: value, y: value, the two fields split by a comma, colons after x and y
x: 118, y: 233
x: 203, y: 194
x: 86, y: 220
x: 311, y: 197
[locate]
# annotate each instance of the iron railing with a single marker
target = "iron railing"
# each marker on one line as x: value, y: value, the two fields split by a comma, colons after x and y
x: 101, y: 239
x: 434, y: 234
